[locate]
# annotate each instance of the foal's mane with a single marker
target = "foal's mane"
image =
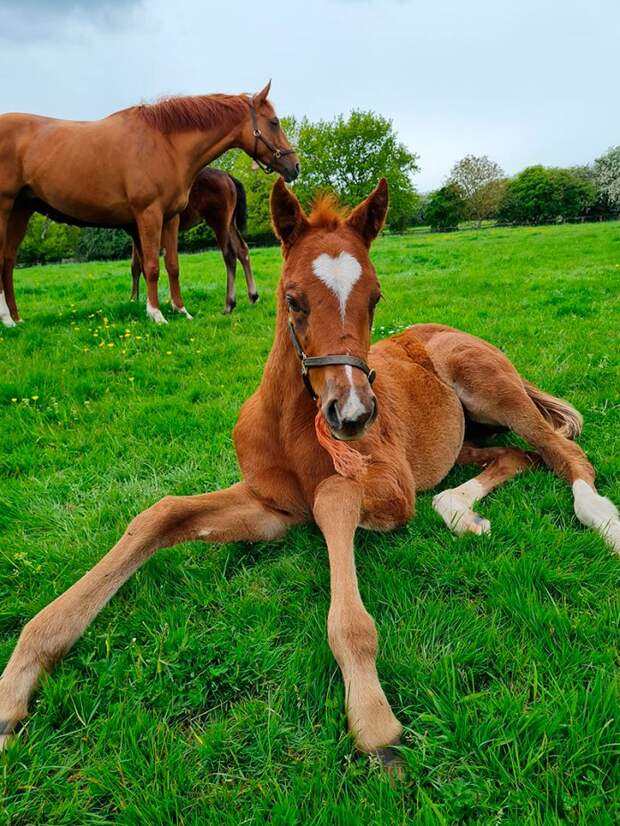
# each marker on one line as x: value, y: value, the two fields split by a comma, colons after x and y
x: 327, y: 212
x: 187, y: 112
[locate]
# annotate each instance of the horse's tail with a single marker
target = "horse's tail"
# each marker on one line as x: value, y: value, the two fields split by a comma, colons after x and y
x: 241, y: 210
x: 560, y: 414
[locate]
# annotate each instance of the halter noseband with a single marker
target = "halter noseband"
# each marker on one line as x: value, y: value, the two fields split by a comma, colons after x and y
x: 258, y: 136
x: 308, y: 362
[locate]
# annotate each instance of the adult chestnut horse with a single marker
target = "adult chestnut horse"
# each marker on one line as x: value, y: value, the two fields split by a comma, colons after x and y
x: 133, y: 169
x: 219, y: 199
x: 408, y: 428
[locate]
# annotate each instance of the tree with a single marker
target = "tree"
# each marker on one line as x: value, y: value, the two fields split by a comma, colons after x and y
x: 479, y: 179
x: 46, y: 241
x: 445, y: 208
x: 349, y: 155
x: 607, y: 176
x: 540, y: 194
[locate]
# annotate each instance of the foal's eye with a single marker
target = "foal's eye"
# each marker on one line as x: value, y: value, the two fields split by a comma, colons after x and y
x: 293, y: 305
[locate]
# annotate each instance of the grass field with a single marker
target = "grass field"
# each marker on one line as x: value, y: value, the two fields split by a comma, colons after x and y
x: 206, y: 691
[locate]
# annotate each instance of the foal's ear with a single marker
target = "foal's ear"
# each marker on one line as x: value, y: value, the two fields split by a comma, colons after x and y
x: 368, y: 217
x: 288, y: 218
x: 261, y: 97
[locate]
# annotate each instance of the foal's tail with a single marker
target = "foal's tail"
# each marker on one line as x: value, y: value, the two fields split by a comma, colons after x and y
x: 560, y: 414
x: 241, y: 210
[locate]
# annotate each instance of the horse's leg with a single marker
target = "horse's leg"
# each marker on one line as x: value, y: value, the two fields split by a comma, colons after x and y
x: 149, y: 225
x: 501, y: 464
x: 351, y: 630
x: 170, y: 243
x: 231, y: 515
x: 243, y: 254
x: 16, y: 229
x: 6, y: 205
x: 136, y: 272
x: 493, y: 392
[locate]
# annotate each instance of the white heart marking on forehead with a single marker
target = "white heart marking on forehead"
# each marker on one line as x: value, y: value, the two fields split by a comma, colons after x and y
x: 339, y: 274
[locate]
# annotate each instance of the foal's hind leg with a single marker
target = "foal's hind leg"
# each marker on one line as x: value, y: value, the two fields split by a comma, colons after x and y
x: 500, y: 464
x: 492, y: 391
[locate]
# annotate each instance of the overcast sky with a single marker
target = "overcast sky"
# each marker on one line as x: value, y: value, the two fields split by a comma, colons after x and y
x: 527, y: 81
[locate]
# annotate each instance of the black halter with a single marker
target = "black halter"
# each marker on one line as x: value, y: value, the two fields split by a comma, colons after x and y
x: 308, y: 362
x: 258, y: 136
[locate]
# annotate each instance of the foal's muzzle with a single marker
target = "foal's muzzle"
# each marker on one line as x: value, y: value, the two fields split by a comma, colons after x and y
x: 349, y: 411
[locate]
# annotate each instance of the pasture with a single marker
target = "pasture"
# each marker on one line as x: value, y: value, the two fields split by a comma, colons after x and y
x: 206, y: 691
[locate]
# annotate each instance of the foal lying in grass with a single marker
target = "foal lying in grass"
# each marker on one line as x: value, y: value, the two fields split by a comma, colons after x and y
x: 408, y: 427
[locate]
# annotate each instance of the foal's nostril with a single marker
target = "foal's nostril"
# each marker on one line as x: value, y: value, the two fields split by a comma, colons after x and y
x: 331, y: 415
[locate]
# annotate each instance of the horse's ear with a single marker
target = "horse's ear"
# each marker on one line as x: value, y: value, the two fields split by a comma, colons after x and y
x: 368, y: 218
x: 261, y: 97
x: 288, y: 218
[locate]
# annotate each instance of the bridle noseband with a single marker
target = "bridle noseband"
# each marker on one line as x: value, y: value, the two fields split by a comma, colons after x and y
x: 275, y: 152
x: 308, y: 362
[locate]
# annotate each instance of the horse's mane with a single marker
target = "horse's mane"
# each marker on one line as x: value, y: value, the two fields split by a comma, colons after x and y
x: 327, y: 212
x: 187, y: 112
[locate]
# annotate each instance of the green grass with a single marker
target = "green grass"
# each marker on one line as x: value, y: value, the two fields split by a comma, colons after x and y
x: 206, y: 691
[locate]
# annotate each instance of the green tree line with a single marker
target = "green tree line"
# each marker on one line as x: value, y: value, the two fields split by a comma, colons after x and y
x: 348, y: 155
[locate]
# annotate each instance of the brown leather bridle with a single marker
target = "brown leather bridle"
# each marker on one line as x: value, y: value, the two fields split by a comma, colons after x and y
x: 258, y: 136
x: 308, y: 362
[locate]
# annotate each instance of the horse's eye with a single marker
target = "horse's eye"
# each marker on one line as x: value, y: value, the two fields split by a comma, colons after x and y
x: 275, y: 122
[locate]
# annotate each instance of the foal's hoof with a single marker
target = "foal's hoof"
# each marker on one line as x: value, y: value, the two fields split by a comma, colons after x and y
x: 389, y: 760
x: 230, y: 306
x: 5, y: 733
x: 254, y: 297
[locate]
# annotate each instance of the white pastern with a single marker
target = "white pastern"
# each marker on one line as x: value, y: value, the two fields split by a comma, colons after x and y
x: 182, y: 310
x: 353, y: 408
x: 339, y: 274
x: 155, y: 314
x: 454, y: 507
x: 597, y: 512
x: 5, y: 315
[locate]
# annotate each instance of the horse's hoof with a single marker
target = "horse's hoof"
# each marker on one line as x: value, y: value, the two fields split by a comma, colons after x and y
x: 155, y: 314
x: 7, y: 321
x: 254, y: 297
x: 230, y: 307
x: 182, y: 311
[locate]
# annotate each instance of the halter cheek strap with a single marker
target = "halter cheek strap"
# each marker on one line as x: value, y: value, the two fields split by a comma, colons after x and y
x: 308, y: 362
x: 258, y: 136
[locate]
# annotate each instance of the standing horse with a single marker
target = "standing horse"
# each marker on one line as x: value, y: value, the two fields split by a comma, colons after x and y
x: 219, y: 199
x: 408, y: 426
x: 133, y: 169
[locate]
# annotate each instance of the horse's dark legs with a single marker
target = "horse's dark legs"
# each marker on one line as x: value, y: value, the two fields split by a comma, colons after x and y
x: 149, y: 224
x: 170, y: 242
x: 136, y: 272
x: 222, y: 234
x: 243, y: 254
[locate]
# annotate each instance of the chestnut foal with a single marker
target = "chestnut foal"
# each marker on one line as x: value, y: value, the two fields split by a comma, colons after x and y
x: 408, y: 427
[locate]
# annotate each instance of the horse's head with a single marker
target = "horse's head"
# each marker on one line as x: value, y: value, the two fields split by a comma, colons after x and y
x: 329, y: 290
x: 264, y: 140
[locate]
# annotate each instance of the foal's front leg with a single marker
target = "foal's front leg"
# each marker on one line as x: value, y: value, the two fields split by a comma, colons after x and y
x: 231, y: 515
x: 351, y: 630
